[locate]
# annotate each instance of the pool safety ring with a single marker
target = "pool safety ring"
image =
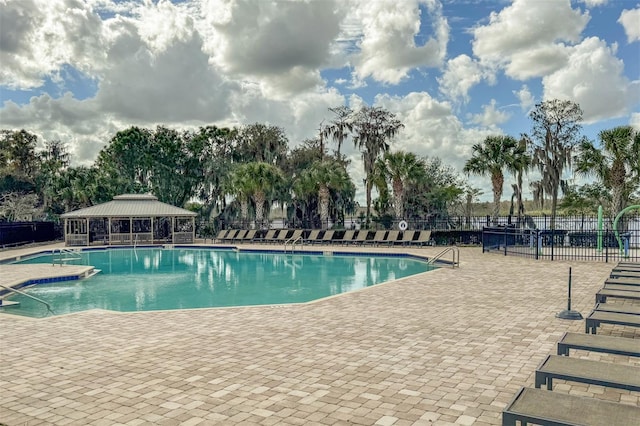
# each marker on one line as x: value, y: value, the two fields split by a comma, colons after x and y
x: 402, y: 225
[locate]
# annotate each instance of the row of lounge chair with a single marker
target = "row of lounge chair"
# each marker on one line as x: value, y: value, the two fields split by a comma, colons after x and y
x: 330, y: 236
x: 534, y: 405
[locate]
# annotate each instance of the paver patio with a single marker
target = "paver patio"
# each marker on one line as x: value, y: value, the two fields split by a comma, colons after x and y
x: 450, y: 346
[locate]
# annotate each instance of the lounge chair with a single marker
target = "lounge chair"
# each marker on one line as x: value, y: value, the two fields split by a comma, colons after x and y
x: 230, y: 235
x: 378, y: 238
x: 407, y: 237
x: 348, y: 236
x: 327, y: 238
x: 424, y: 238
x: 580, y: 370
x: 625, y: 274
x: 249, y: 236
x: 221, y: 234
x: 281, y: 237
x: 269, y: 236
x: 313, y: 236
x: 593, y: 343
x: 596, y: 318
x: 630, y: 268
x: 623, y: 281
x: 543, y: 407
x: 621, y: 287
x: 240, y: 235
x: 392, y: 237
x: 604, y: 293
x: 296, y: 235
x: 618, y: 307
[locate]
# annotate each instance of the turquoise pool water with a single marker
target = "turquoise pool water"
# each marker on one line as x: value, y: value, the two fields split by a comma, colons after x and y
x: 156, y: 279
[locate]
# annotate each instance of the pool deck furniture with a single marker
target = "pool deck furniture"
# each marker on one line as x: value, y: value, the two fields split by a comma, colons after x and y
x: 621, y: 287
x: 348, y: 236
x: 313, y: 236
x: 248, y: 237
x: 552, y: 408
x: 327, y: 237
x: 392, y: 237
x: 606, y: 344
x: 361, y: 238
x: 631, y: 282
x: 378, y: 238
x: 603, y: 294
x: 424, y: 238
x: 270, y: 236
x: 407, y: 237
x: 221, y: 234
x: 625, y: 274
x: 239, y: 235
x: 580, y: 370
x: 229, y: 237
x: 618, y: 307
x: 595, y: 318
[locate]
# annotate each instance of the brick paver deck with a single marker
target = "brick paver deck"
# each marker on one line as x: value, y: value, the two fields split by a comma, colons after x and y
x: 450, y: 346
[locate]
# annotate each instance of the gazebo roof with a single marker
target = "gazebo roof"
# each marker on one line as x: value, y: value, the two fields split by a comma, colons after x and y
x: 130, y: 205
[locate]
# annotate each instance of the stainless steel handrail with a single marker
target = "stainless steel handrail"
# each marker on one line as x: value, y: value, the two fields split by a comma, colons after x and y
x: 74, y: 255
x: 293, y: 243
x: 14, y: 290
x: 456, y: 256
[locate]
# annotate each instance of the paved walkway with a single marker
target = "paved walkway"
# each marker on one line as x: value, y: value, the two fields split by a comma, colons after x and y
x: 450, y: 346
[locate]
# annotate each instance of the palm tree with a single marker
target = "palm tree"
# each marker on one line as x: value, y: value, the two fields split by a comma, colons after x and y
x: 256, y: 180
x: 373, y: 128
x: 490, y: 158
x: 520, y: 163
x: 616, y: 163
x: 323, y: 177
x: 401, y: 167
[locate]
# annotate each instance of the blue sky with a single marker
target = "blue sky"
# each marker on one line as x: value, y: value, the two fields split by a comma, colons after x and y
x: 454, y: 72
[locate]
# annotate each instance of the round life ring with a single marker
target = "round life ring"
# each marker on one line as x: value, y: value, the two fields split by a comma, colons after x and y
x: 403, y: 225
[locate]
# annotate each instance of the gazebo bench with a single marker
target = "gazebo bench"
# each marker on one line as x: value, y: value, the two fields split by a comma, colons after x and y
x: 552, y: 408
x: 595, y: 318
x: 586, y: 371
x: 593, y: 343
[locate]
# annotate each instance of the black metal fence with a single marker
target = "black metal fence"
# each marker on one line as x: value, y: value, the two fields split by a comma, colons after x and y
x: 578, y: 238
x: 18, y: 233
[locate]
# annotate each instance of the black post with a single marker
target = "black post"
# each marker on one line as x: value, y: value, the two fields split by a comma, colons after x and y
x: 568, y: 313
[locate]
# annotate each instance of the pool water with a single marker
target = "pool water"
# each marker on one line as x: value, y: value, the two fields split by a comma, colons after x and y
x: 158, y: 279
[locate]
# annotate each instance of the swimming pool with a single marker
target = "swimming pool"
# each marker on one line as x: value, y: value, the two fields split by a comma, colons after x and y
x: 186, y: 278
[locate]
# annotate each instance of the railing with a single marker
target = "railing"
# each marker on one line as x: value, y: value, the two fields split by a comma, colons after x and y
x: 456, y: 256
x: 64, y: 255
x: 37, y: 299
x: 293, y: 242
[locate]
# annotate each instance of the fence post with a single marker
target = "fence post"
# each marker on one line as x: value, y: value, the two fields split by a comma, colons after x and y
x: 505, y: 240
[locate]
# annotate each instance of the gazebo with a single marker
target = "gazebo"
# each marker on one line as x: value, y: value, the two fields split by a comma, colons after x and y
x: 129, y: 219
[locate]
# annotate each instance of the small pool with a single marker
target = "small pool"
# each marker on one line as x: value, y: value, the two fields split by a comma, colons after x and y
x: 186, y: 278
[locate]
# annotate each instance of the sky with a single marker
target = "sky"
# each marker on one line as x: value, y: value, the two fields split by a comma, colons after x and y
x: 453, y: 71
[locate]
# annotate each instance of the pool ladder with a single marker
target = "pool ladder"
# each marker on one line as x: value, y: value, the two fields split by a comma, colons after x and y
x: 456, y: 256
x: 64, y: 255
x: 293, y: 243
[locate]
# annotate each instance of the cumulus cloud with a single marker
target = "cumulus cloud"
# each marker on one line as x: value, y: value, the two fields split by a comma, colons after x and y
x: 38, y: 36
x: 460, y: 75
x: 527, y: 37
x: 283, y: 42
x: 594, y: 3
x: 491, y: 116
x: 590, y: 64
x: 387, y: 46
x: 525, y: 97
x: 630, y: 20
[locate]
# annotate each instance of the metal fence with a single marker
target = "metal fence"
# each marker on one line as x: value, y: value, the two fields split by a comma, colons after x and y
x: 578, y: 238
x: 18, y: 233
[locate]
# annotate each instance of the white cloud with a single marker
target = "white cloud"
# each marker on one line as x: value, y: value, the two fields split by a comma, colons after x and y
x: 594, y: 3
x: 491, y: 116
x: 591, y: 63
x: 278, y: 43
x: 526, y: 37
x: 635, y: 121
x: 460, y: 75
x: 630, y: 20
x: 525, y: 97
x: 38, y: 36
x: 387, y: 46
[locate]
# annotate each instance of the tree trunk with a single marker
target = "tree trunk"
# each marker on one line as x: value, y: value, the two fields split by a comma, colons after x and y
x: 323, y: 197
x: 398, y: 196
x: 497, y: 180
x: 259, y: 199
